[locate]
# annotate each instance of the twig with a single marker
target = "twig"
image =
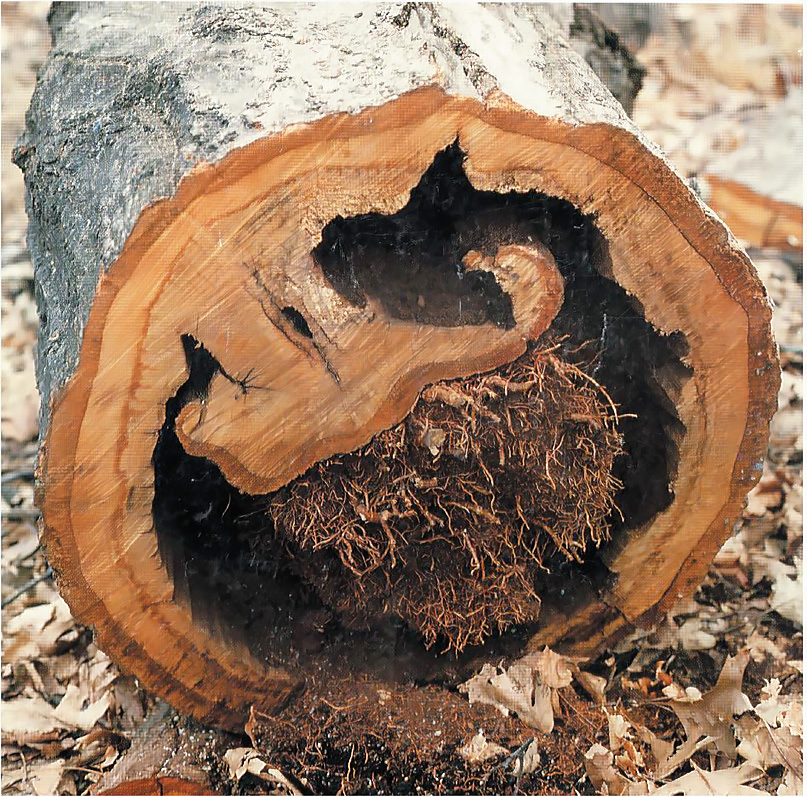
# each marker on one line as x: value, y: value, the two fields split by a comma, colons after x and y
x: 30, y: 585
x: 518, y: 752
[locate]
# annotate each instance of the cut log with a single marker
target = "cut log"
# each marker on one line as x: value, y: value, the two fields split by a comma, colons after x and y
x: 259, y: 234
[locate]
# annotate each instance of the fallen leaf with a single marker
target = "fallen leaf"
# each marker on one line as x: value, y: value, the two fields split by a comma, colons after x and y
x: 599, y: 764
x: 515, y: 690
x: 731, y: 560
x: 793, y: 719
x: 594, y: 685
x: 776, y: 739
x: 770, y: 707
x: 35, y: 631
x: 97, y: 674
x: 20, y: 418
x: 29, y: 719
x: 708, y: 719
x: 760, y: 646
x: 236, y: 758
x: 71, y: 712
x: 676, y: 692
x: 713, y: 714
x: 723, y: 782
x: 692, y: 636
x: 526, y: 688
x: 45, y: 778
x: 683, y: 754
x: 529, y: 762
x: 787, y: 597
x: 20, y: 549
x: 246, y: 760
x: 553, y: 669
x: 618, y: 730
x: 110, y: 757
x: 766, y: 495
x: 479, y: 749
x: 600, y: 770
x: 767, y: 561
x: 661, y: 749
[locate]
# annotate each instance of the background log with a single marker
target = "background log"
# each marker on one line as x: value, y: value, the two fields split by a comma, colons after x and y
x: 501, y: 85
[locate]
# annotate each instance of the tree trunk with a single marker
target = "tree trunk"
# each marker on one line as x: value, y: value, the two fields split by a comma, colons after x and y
x: 259, y: 233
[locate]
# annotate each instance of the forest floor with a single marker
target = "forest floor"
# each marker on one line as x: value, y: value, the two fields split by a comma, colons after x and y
x: 708, y: 703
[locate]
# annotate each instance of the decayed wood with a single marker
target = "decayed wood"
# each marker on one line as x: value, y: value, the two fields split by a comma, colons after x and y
x: 304, y: 124
x: 332, y: 375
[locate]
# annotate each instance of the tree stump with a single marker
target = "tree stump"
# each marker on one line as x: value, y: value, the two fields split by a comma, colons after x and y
x: 373, y: 340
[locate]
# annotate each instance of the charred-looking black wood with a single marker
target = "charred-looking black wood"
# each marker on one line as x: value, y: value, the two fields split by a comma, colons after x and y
x: 220, y: 544
x: 411, y: 261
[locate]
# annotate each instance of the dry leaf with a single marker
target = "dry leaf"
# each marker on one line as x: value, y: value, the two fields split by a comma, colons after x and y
x: 713, y: 714
x: 526, y: 688
x: 97, y: 675
x: 618, y: 729
x: 20, y: 549
x: 770, y: 707
x: 20, y: 418
x: 246, y: 760
x: 110, y: 757
x: 529, y: 762
x: 553, y: 670
x: 777, y: 740
x: 787, y: 597
x: 723, y: 782
x: 600, y: 770
x: 661, y: 749
x: 767, y: 561
x: 793, y: 719
x: 759, y: 646
x: 515, y: 690
x: 676, y: 692
x: 236, y: 758
x: 479, y: 749
x: 766, y: 495
x: 594, y: 685
x: 29, y: 719
x: 35, y: 631
x: 71, y: 712
x: 692, y: 636
x: 683, y: 754
x: 45, y: 778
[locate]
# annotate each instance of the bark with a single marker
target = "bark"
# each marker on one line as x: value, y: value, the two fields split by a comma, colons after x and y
x: 187, y: 170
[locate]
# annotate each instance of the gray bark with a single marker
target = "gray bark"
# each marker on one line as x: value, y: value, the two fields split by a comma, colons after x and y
x: 134, y: 95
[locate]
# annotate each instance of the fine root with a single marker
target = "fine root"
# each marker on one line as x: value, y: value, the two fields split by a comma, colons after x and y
x: 447, y: 519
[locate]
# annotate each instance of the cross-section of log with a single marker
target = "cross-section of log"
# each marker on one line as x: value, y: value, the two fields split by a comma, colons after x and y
x: 368, y: 335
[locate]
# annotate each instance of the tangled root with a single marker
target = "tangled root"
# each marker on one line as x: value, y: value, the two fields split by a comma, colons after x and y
x: 447, y: 519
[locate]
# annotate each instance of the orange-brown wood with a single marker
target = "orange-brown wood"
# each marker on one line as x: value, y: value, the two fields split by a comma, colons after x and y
x: 159, y: 785
x: 330, y: 401
x: 220, y: 259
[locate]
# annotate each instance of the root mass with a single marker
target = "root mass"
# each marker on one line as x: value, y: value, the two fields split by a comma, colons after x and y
x: 447, y: 519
